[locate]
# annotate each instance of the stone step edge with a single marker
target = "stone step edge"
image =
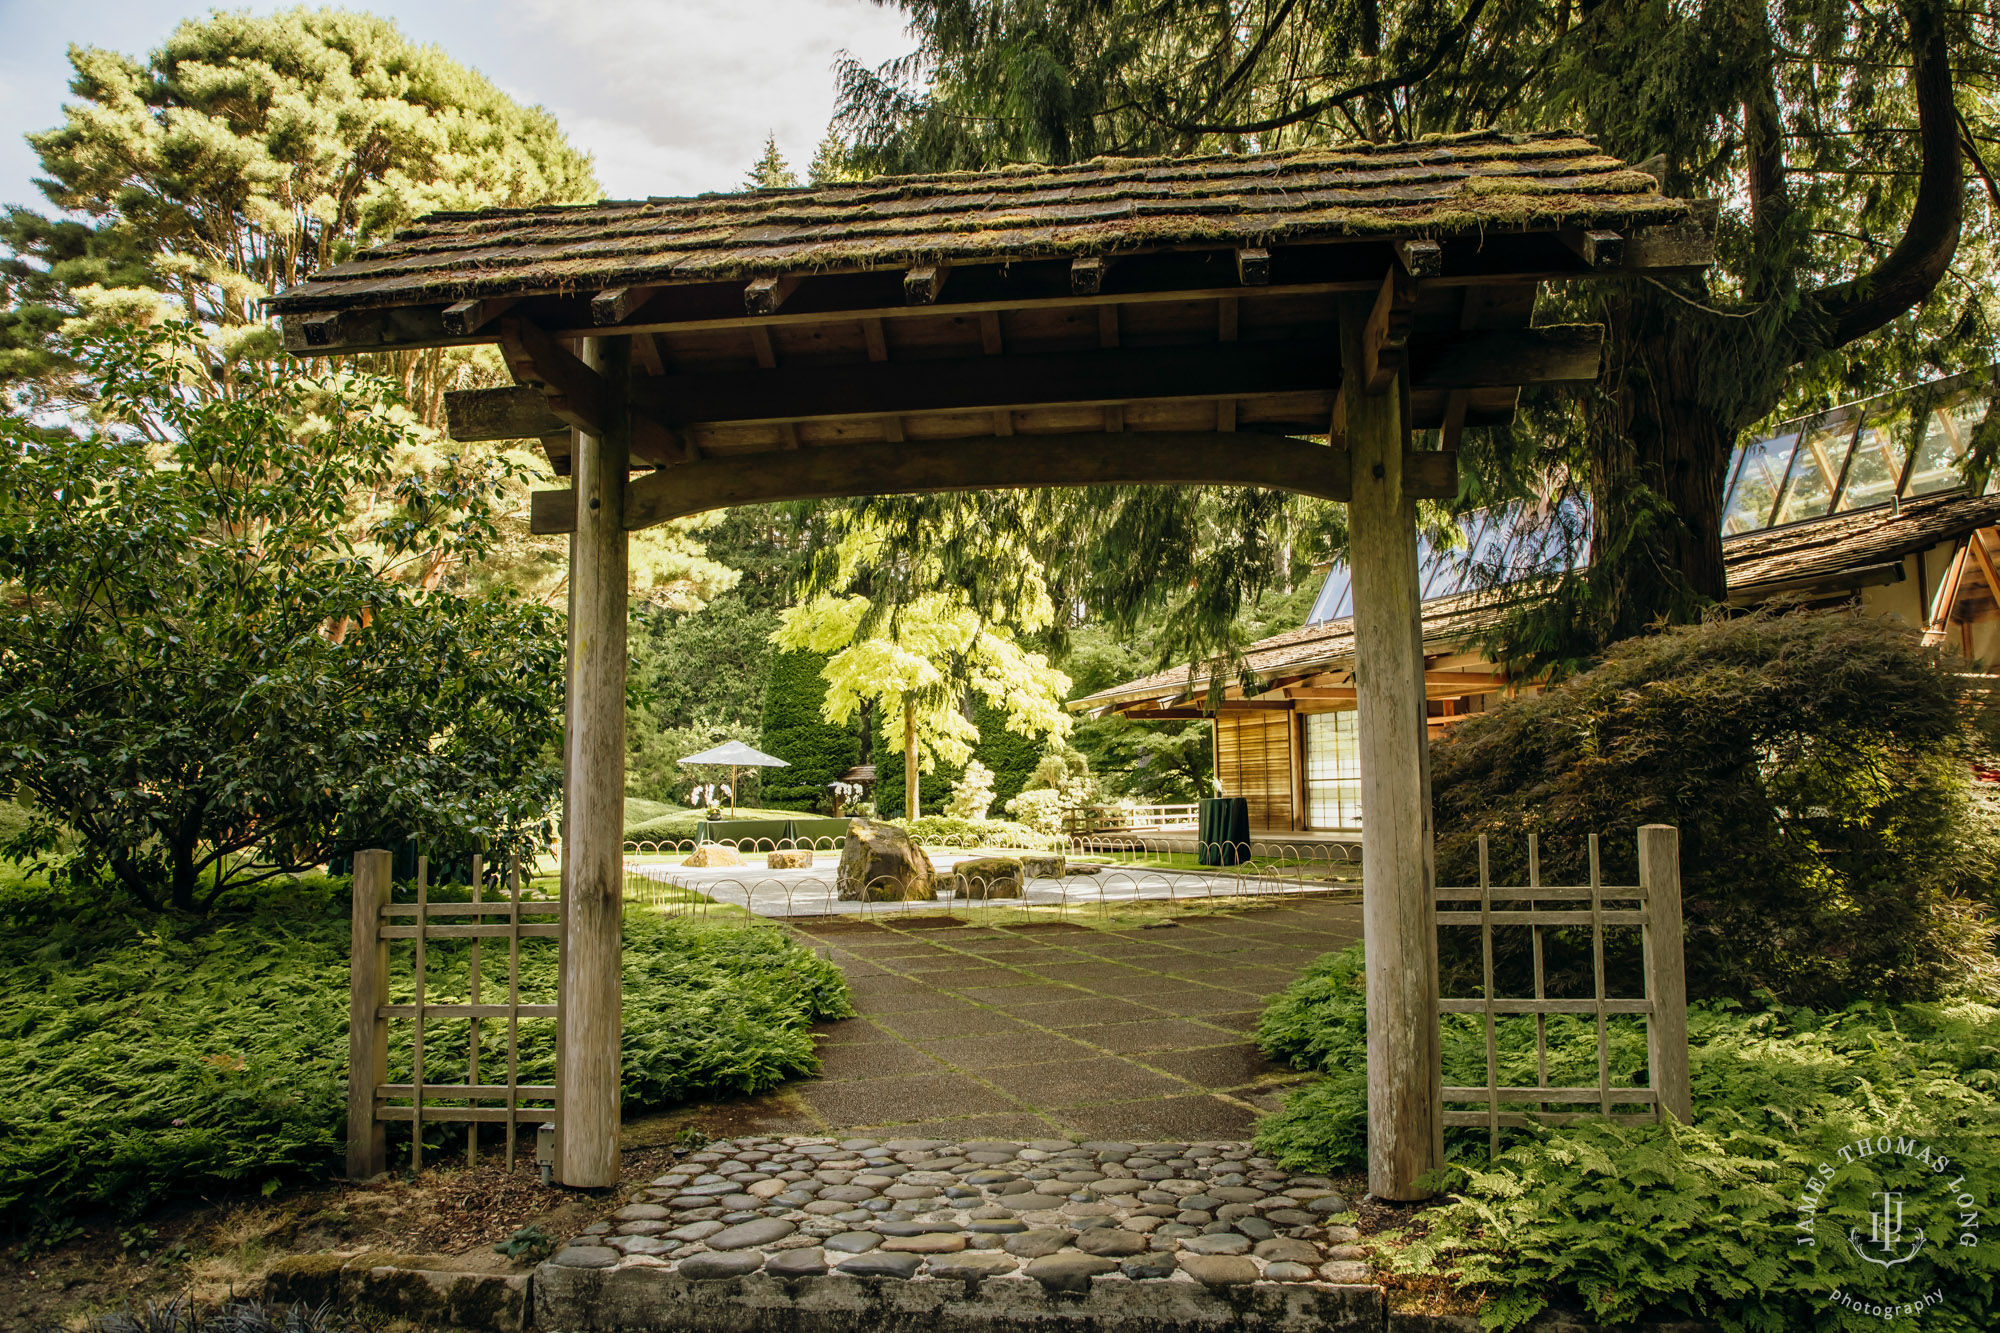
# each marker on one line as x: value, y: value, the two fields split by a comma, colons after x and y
x: 425, y: 1289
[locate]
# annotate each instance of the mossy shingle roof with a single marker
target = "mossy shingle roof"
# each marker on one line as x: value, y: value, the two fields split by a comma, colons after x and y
x: 1435, y: 188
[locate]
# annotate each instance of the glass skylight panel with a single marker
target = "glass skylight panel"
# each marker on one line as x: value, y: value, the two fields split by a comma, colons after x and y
x: 1877, y: 465
x: 1760, y: 476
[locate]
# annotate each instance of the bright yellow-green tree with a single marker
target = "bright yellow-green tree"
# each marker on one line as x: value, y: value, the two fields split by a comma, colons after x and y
x: 920, y: 662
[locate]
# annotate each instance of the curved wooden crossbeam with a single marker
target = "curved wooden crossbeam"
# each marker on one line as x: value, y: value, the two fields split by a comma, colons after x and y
x: 1201, y: 458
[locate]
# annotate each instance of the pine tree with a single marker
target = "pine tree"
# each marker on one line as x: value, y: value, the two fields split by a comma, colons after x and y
x: 771, y: 171
x: 831, y: 163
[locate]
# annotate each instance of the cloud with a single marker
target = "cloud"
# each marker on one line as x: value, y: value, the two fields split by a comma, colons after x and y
x: 676, y: 97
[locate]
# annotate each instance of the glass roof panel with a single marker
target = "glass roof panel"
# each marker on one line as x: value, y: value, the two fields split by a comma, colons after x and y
x: 1760, y: 475
x: 1877, y: 466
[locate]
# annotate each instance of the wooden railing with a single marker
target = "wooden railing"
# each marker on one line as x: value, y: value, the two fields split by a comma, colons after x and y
x: 1653, y: 906
x: 372, y: 1101
x: 1134, y: 818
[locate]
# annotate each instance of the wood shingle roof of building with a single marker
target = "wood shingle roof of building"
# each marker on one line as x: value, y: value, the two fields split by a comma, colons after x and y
x: 1446, y: 186
x: 1832, y: 555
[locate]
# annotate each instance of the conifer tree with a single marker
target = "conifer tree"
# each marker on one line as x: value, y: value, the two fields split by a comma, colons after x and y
x: 1851, y: 149
x: 771, y: 171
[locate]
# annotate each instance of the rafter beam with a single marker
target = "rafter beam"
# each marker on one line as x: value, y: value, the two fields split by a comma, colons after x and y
x: 1253, y: 266
x: 1086, y: 275
x: 1386, y: 338
x: 468, y: 317
x: 763, y: 296
x: 921, y: 285
x: 1595, y: 246
x: 573, y: 391
x: 618, y: 304
x: 1421, y: 259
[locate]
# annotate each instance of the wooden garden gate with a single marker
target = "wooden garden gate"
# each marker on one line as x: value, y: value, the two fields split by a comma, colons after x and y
x: 1653, y: 906
x: 492, y: 1074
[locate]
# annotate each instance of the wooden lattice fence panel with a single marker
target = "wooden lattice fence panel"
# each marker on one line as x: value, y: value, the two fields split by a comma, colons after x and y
x: 492, y: 1073
x: 1652, y: 906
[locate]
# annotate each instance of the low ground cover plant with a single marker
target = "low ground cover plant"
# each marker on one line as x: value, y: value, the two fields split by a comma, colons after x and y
x: 1632, y: 1220
x: 142, y: 1060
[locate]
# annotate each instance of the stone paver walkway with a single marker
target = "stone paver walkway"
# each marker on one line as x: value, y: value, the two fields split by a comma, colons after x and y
x: 1052, y: 1031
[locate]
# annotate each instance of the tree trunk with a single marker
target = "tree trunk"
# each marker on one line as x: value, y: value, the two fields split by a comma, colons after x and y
x: 1661, y: 431
x: 910, y: 775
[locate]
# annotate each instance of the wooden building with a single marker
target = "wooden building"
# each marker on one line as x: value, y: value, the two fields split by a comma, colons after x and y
x: 1866, y: 505
x: 1282, y: 319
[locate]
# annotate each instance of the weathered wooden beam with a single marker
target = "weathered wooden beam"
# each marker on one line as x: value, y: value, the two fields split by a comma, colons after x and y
x: 983, y: 383
x: 522, y: 412
x: 1597, y: 247
x: 1430, y: 474
x: 1387, y: 337
x: 594, y: 795
x: 1405, y: 1125
x: 1089, y: 459
x: 922, y: 284
x: 574, y: 391
x: 763, y: 296
x: 468, y: 317
x: 1506, y: 358
x: 1670, y: 245
x: 1253, y: 266
x: 323, y: 330
x: 619, y: 304
x: 1086, y: 276
x: 1421, y: 259
x: 515, y: 412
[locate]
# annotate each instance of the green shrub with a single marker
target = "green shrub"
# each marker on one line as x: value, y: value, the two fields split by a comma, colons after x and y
x: 1816, y: 766
x: 1010, y: 755
x: 1641, y: 1221
x: 140, y: 1063
x: 817, y: 751
x: 992, y: 832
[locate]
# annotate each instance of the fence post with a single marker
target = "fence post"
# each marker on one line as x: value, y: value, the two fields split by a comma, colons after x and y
x: 367, y: 1031
x: 1666, y: 969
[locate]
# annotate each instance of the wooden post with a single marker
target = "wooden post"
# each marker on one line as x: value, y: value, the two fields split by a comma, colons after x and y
x: 1405, y: 1116
x: 367, y: 1031
x: 1666, y: 969
x: 594, y: 799
x: 910, y: 775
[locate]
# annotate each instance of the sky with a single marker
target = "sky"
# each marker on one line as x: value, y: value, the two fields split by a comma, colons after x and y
x: 669, y: 96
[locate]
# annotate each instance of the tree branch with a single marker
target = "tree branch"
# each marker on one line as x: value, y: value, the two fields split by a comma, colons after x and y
x: 1452, y: 38
x: 1907, y: 273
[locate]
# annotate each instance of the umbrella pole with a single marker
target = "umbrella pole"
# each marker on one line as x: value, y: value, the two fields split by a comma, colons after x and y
x: 732, y: 791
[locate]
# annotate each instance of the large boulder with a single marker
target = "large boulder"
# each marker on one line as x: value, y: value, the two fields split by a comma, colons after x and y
x: 1043, y: 867
x: 790, y: 858
x: 880, y: 864
x: 714, y: 854
x: 985, y: 877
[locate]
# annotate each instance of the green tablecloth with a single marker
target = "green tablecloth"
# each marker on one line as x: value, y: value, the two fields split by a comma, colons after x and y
x: 777, y: 832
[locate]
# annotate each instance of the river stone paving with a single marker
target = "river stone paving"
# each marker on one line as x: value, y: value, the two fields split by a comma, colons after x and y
x: 1053, y: 1211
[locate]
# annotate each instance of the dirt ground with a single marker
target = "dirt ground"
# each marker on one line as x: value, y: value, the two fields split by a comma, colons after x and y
x: 211, y: 1251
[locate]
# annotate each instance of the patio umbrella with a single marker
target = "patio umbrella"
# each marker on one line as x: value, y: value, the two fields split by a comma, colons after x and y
x: 737, y: 755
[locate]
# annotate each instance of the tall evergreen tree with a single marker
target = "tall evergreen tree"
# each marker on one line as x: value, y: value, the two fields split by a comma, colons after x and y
x: 1837, y: 137
x: 244, y: 154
